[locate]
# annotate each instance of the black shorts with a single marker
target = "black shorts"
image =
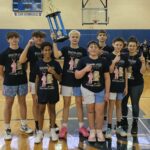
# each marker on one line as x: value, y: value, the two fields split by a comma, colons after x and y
x: 48, y: 96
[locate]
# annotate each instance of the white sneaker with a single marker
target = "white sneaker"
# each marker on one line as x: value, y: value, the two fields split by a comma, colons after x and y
x: 121, y: 132
x: 92, y: 136
x: 8, y: 135
x: 26, y: 129
x: 38, y: 137
x: 108, y: 133
x: 54, y: 136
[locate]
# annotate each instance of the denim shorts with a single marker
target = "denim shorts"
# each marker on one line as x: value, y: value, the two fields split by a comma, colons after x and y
x: 12, y: 91
x: 71, y: 91
x: 116, y: 96
x: 90, y: 97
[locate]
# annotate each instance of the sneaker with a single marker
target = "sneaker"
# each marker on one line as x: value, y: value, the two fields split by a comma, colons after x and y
x: 56, y: 128
x: 108, y: 133
x: 134, y: 129
x: 100, y: 136
x: 63, y: 133
x: 54, y: 136
x: 8, y: 135
x: 84, y: 131
x: 92, y: 137
x: 124, y: 123
x: 38, y: 137
x: 26, y: 129
x: 121, y: 132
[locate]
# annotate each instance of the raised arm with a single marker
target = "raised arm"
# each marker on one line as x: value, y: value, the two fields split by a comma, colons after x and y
x: 80, y: 73
x: 112, y: 66
x: 55, y: 74
x: 57, y: 52
x: 23, y: 56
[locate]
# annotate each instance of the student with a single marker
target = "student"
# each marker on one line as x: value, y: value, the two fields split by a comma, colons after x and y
x: 94, y: 74
x: 48, y: 72
x: 135, y: 71
x: 118, y: 86
x: 32, y: 53
x: 14, y: 80
x: 102, y: 38
x: 71, y: 86
x: 105, y: 50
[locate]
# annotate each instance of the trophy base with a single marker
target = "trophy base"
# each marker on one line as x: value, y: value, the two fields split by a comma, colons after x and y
x: 54, y: 14
x: 61, y: 39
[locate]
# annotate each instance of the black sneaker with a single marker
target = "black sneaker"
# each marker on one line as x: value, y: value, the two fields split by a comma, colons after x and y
x: 134, y: 129
x: 124, y: 124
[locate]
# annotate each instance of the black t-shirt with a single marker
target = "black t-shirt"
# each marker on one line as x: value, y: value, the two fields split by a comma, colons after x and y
x: 94, y: 80
x: 134, y: 75
x: 106, y: 56
x: 118, y: 76
x: 14, y: 72
x: 71, y: 58
x: 47, y: 81
x: 107, y: 49
x: 34, y: 55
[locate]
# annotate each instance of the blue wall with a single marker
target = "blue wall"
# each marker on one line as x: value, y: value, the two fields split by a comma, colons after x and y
x: 86, y: 35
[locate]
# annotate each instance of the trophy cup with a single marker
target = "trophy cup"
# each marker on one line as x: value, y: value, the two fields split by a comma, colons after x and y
x: 56, y: 24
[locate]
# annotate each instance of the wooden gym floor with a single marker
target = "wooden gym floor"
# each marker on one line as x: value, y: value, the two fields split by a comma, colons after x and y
x: 24, y: 142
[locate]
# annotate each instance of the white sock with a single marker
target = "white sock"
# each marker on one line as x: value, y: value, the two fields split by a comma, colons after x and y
x: 7, y: 126
x: 81, y: 124
x: 64, y: 125
x: 23, y: 122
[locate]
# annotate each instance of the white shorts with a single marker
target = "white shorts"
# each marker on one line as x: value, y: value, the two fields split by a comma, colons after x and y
x: 90, y: 97
x: 32, y: 87
x: 70, y: 91
x: 116, y: 96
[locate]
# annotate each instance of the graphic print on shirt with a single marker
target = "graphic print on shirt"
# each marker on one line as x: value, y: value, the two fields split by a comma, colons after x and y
x: 46, y: 79
x: 74, y: 59
x: 38, y: 55
x: 16, y: 67
x: 13, y: 66
x: 130, y: 68
x: 94, y: 75
x: 119, y: 72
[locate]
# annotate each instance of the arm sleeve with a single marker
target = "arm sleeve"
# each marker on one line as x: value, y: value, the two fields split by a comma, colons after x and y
x: 64, y: 51
x: 80, y: 65
x: 58, y: 68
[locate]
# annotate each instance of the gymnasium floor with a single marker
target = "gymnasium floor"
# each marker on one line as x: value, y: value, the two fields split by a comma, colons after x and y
x: 24, y: 142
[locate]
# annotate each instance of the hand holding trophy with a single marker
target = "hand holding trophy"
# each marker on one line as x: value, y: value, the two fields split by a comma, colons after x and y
x: 56, y: 24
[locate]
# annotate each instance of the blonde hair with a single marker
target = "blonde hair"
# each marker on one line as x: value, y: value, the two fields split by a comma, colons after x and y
x: 74, y: 32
